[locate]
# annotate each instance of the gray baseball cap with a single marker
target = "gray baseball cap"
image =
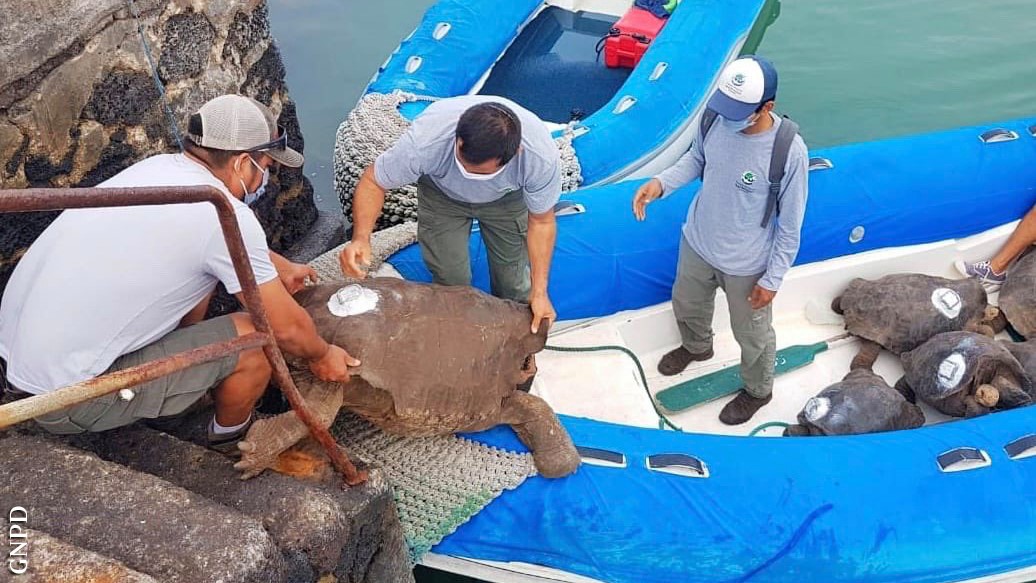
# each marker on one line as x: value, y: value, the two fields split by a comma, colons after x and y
x: 241, y: 124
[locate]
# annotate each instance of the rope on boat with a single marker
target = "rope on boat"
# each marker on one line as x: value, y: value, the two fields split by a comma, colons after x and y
x: 374, y: 126
x: 663, y: 421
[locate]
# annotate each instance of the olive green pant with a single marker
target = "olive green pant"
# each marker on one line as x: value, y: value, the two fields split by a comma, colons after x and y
x: 443, y: 230
x: 162, y: 397
x: 694, y: 303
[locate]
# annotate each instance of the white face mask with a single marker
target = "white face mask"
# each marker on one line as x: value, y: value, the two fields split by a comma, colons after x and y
x: 251, y: 197
x: 471, y: 176
x: 741, y: 125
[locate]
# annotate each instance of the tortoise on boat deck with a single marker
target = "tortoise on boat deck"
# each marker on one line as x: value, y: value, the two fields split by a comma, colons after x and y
x: 964, y: 374
x: 1018, y: 295
x: 434, y: 359
x: 862, y: 402
x: 1025, y: 354
x: 900, y: 312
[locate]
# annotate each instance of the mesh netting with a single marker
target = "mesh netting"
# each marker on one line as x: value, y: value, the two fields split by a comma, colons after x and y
x: 439, y: 482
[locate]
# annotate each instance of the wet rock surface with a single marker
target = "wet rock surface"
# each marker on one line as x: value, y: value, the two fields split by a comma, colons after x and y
x: 177, y: 508
x: 53, y: 560
x: 78, y: 102
x: 146, y: 523
x: 319, y: 526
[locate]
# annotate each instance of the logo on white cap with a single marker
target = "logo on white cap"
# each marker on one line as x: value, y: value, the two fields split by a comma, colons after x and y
x: 743, y: 81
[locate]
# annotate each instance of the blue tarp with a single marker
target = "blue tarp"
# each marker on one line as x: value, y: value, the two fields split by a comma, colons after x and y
x: 868, y: 508
x: 902, y: 191
x: 698, y: 39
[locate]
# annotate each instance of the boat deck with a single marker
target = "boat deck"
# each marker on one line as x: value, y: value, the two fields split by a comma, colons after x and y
x: 539, y: 70
x: 606, y: 385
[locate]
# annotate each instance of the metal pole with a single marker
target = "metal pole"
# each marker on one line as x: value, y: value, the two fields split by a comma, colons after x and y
x: 42, y: 199
x: 25, y: 409
x: 254, y: 304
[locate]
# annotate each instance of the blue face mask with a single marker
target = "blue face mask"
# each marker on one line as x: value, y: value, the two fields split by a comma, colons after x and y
x: 251, y: 197
x: 742, y: 124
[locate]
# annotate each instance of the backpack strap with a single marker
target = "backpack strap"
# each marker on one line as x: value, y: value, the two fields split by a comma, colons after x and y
x: 786, y: 133
x: 705, y: 123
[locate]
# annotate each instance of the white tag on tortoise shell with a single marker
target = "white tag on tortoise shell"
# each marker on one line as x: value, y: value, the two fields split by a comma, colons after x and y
x: 351, y: 300
x: 951, y: 371
x: 816, y: 408
x: 947, y: 301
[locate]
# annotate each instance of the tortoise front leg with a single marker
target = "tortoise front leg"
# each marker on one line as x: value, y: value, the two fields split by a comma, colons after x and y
x: 903, y: 388
x: 538, y: 427
x: 865, y: 358
x: 1011, y: 393
x: 796, y: 431
x: 268, y: 438
x: 972, y: 407
x: 836, y: 306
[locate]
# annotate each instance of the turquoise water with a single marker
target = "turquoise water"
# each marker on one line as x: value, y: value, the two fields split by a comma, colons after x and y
x: 850, y: 70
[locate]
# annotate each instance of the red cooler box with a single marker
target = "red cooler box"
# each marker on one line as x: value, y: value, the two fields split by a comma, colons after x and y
x: 631, y: 37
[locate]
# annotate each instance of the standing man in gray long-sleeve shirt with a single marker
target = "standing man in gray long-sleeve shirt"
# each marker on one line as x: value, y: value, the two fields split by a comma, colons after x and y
x: 736, y: 237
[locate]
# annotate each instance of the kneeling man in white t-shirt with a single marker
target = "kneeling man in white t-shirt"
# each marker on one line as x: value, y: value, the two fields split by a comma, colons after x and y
x: 109, y: 288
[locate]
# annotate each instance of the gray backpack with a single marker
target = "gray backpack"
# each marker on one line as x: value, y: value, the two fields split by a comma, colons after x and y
x: 778, y: 157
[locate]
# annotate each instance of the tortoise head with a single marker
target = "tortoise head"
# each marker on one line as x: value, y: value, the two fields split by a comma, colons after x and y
x: 994, y: 317
x: 987, y: 395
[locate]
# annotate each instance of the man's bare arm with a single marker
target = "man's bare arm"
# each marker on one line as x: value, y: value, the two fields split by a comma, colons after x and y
x: 542, y: 234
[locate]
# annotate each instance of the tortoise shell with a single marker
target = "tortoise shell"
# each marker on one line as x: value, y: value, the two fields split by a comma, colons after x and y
x: 902, y: 311
x: 862, y: 402
x: 434, y: 359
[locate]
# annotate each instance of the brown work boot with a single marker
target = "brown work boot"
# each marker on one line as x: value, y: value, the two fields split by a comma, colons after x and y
x: 677, y: 359
x: 742, y: 408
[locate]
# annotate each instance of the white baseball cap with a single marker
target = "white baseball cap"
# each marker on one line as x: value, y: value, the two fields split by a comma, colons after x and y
x: 743, y: 86
x: 241, y: 124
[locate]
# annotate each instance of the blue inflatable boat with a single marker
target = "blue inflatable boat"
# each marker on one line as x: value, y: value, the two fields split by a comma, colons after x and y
x: 545, y: 56
x: 954, y: 500
x: 903, y: 191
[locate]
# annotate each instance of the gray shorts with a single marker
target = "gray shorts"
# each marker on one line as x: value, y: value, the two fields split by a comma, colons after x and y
x: 168, y: 395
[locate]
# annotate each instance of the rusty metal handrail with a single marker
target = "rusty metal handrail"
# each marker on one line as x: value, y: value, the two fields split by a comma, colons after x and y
x: 47, y: 199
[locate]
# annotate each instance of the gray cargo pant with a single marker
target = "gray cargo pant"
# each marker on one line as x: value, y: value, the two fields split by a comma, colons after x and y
x: 694, y: 302
x: 443, y: 230
x: 162, y: 397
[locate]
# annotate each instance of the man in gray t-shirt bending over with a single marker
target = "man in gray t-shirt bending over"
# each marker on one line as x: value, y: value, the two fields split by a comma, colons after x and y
x: 737, y: 237
x: 473, y: 157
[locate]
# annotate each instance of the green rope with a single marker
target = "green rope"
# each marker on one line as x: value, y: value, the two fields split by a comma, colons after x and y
x: 767, y: 425
x: 663, y: 421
